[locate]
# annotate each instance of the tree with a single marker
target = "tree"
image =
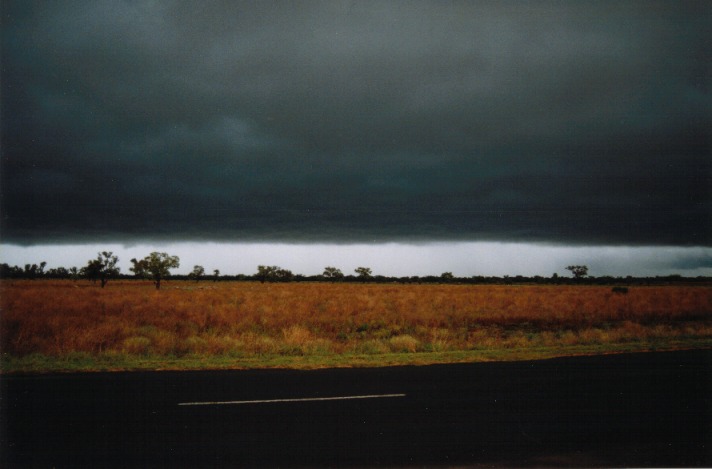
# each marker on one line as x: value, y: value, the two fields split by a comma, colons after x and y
x: 197, y: 273
x: 578, y: 271
x: 284, y: 275
x: 140, y: 268
x: 332, y: 273
x: 58, y: 272
x: 102, y: 268
x: 447, y: 276
x: 155, y: 266
x: 216, y: 274
x: 91, y: 271
x: 7, y: 271
x: 266, y: 272
x: 33, y: 271
x: 364, y: 273
x: 273, y: 273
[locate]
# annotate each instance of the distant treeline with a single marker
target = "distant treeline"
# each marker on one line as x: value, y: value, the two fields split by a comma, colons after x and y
x: 270, y: 275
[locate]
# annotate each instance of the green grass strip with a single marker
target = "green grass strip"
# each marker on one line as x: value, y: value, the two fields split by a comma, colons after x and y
x: 81, y: 362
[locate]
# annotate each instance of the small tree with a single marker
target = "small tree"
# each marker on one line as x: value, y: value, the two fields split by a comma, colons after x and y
x: 102, y: 268
x: 155, y: 266
x: 266, y: 272
x: 197, y: 273
x: 7, y: 271
x: 91, y: 271
x: 216, y: 274
x: 58, y: 272
x: 332, y: 273
x: 33, y: 271
x: 447, y: 276
x: 364, y: 273
x: 578, y: 271
x: 283, y: 275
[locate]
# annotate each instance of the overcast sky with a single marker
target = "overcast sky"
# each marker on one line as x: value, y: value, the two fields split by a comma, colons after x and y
x: 358, y: 128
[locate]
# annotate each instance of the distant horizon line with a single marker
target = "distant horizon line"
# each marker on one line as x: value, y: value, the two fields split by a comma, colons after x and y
x: 445, y: 277
x: 463, y: 259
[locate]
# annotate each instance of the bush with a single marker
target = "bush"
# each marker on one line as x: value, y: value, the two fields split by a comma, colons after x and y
x: 404, y: 343
x: 137, y: 345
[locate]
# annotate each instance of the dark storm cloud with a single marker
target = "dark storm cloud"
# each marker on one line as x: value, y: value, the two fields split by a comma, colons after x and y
x: 572, y: 122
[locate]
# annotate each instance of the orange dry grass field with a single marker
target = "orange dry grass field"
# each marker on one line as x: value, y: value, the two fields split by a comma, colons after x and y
x: 242, y: 319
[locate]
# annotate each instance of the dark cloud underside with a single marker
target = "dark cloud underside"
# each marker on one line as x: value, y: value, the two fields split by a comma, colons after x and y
x: 572, y: 122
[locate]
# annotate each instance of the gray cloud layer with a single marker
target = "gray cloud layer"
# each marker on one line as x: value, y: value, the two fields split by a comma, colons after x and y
x: 571, y: 122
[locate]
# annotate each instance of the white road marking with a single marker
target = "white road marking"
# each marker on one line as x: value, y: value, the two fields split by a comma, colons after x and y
x: 306, y: 399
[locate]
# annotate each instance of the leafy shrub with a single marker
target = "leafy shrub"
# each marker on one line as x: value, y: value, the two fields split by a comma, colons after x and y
x: 404, y: 343
x: 137, y: 345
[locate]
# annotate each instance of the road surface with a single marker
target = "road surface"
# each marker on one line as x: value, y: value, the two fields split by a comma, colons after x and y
x: 619, y: 410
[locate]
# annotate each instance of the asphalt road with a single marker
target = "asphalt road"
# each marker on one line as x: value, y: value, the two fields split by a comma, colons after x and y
x: 619, y: 410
